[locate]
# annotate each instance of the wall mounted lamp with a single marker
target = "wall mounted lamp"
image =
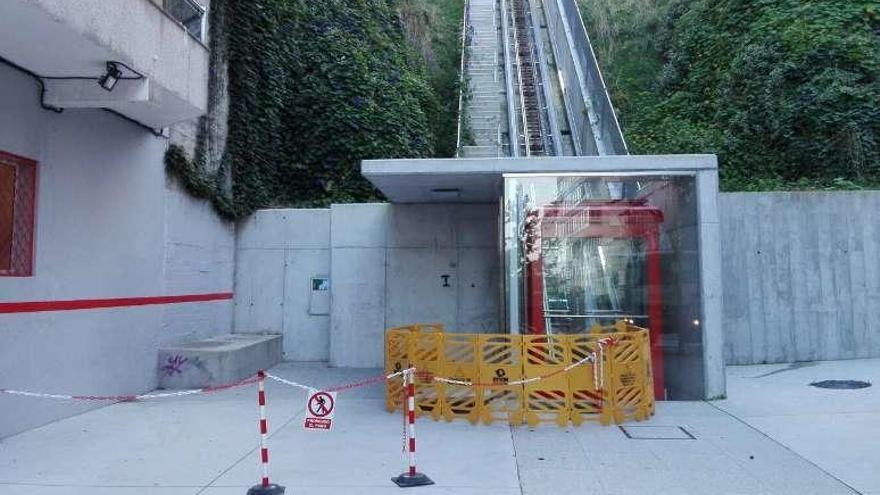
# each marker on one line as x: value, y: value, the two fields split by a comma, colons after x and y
x: 111, y: 76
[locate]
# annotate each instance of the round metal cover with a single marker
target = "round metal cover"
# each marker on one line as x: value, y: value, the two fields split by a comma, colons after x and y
x: 841, y: 384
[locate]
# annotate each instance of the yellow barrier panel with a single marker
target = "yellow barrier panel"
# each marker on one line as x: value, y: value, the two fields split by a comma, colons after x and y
x: 547, y: 399
x: 628, y: 381
x: 397, y: 342
x: 587, y: 396
x: 460, y: 363
x: 501, y: 362
x: 426, y: 358
x: 603, y: 376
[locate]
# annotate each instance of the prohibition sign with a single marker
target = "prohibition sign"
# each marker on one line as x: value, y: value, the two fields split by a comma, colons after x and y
x: 321, y: 404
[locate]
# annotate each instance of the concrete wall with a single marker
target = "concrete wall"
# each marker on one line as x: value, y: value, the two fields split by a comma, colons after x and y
x: 278, y: 252
x: 108, y: 225
x: 801, y: 276
x: 388, y: 264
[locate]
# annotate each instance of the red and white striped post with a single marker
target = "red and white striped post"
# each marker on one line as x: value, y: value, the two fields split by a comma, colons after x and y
x: 264, y: 488
x: 411, y: 477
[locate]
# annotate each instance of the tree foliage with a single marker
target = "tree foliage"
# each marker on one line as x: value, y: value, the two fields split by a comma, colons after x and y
x: 786, y: 92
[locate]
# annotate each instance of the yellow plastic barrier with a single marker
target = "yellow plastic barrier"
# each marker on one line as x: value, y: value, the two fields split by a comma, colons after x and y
x: 584, y: 382
x: 501, y: 362
x: 397, y: 343
x: 425, y: 352
x: 630, y: 395
x: 602, y: 376
x: 547, y: 399
x: 460, y: 362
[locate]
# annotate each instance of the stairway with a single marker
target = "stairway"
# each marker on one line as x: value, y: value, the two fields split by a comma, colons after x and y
x: 484, y: 105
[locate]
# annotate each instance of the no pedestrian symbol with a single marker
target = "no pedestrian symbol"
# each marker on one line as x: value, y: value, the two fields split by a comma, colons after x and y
x: 320, y: 407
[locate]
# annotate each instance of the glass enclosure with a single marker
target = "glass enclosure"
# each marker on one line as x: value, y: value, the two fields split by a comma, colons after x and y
x: 582, y: 250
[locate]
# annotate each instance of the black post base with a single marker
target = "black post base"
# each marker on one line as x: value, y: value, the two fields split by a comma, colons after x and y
x: 405, y: 480
x: 272, y: 489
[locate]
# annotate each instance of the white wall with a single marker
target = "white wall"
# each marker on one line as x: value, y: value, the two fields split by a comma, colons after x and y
x: 107, y: 226
x: 278, y: 252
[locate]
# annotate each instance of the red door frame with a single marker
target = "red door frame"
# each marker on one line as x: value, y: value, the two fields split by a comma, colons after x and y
x: 630, y: 219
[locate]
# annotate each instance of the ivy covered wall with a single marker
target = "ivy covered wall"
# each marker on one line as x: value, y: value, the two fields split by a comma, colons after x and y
x: 314, y: 87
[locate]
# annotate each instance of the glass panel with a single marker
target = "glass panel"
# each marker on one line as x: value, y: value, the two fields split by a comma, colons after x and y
x: 592, y: 280
x: 587, y: 250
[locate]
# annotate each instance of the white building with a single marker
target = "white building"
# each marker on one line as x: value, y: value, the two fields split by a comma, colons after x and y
x: 105, y: 259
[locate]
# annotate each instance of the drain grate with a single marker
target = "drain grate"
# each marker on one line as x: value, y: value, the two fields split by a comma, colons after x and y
x: 841, y: 384
x: 656, y: 433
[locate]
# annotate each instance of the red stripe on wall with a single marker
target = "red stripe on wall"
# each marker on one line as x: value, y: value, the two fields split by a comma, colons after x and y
x: 117, y: 302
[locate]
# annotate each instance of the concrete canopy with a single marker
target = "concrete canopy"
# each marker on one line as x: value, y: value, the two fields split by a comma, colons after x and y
x: 480, y: 180
x: 69, y: 42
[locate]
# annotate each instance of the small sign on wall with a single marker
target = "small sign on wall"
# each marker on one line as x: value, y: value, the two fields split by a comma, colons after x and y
x: 319, y: 295
x: 320, y: 283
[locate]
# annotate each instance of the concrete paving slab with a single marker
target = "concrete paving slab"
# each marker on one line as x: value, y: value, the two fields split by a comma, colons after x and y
x: 208, y: 445
x: 837, y: 430
x: 93, y: 490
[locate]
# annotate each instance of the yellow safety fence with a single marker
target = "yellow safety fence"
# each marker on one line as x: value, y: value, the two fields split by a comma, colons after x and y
x: 604, y: 375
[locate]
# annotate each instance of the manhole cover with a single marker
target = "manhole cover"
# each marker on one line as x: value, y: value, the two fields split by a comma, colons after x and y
x: 656, y: 433
x: 841, y: 384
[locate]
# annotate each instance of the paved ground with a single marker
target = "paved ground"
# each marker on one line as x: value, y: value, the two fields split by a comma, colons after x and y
x: 775, y: 435
x: 837, y: 430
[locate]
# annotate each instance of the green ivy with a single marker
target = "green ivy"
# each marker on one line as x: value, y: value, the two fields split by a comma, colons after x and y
x: 198, y: 183
x: 314, y: 88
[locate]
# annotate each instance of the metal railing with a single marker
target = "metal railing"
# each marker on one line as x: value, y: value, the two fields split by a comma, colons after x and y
x: 594, y: 125
x: 462, y: 81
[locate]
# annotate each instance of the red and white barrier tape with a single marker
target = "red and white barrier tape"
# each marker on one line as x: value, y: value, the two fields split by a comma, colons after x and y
x: 203, y: 390
x: 130, y: 398
x: 343, y: 387
x: 591, y: 358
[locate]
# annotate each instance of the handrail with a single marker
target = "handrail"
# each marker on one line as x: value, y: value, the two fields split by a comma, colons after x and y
x: 593, y: 122
x: 462, y: 76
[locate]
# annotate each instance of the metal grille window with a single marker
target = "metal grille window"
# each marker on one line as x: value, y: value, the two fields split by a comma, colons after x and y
x: 18, y: 184
x: 190, y: 13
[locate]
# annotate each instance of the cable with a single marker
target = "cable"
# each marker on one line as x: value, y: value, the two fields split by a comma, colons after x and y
x: 136, y: 77
x: 39, y: 82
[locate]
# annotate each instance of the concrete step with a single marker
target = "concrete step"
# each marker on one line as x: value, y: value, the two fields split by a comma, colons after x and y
x: 217, y: 360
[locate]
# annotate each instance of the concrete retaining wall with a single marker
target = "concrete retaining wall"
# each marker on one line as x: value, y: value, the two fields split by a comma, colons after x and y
x: 801, y: 276
x: 386, y: 265
x: 108, y: 225
x: 279, y: 252
x: 394, y: 264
